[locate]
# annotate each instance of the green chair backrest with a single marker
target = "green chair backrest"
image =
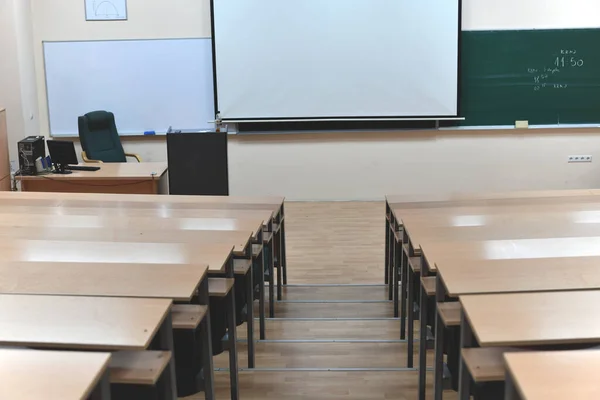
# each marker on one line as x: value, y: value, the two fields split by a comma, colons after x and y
x: 99, y: 137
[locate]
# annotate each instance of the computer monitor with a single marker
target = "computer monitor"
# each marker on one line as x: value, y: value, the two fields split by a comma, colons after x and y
x: 62, y: 154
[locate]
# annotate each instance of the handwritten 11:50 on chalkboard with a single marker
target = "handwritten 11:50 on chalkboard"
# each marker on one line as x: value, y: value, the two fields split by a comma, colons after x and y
x: 543, y: 76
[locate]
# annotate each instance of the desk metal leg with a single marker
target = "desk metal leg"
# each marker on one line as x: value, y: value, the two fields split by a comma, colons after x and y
x: 464, y: 378
x: 387, y: 250
x: 423, y: 345
x: 102, y: 389
x: 404, y: 267
x: 271, y: 255
x: 412, y: 275
x: 393, y: 250
x: 231, y: 333
x: 438, y: 364
x: 283, y: 249
x: 165, y: 340
x: 207, y: 353
x: 397, y: 258
x: 250, y: 317
x: 261, y: 293
x: 510, y: 390
x: 279, y: 266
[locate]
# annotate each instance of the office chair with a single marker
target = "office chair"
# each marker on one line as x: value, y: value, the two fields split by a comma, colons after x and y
x: 100, y: 140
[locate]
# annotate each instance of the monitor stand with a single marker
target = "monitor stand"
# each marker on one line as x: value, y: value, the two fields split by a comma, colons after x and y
x: 60, y: 169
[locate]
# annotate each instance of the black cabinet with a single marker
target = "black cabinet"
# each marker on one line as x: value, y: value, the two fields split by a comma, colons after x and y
x: 198, y: 163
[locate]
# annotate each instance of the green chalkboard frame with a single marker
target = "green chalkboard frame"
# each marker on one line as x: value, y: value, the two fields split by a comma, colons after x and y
x: 547, y: 77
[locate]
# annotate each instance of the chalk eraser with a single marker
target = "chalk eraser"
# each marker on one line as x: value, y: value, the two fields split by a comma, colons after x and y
x: 150, y: 133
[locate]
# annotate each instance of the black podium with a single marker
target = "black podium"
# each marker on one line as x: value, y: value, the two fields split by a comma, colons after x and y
x: 198, y: 163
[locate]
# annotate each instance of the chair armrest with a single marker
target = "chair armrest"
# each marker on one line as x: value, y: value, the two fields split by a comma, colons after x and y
x: 87, y: 160
x: 137, y: 157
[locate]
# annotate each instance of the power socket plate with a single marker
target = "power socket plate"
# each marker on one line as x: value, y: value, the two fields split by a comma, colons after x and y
x: 579, y: 159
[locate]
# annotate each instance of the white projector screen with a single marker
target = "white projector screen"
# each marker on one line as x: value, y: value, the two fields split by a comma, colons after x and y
x: 300, y: 59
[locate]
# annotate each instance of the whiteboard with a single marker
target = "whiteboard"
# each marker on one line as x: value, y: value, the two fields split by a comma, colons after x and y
x: 149, y: 85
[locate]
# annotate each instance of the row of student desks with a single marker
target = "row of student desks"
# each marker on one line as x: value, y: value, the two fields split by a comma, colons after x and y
x: 138, y: 278
x: 498, y: 277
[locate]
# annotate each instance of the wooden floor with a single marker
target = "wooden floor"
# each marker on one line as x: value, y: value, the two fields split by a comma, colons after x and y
x: 329, y: 243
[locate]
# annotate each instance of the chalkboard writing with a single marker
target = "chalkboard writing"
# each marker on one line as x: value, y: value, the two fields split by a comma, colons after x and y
x: 550, y: 77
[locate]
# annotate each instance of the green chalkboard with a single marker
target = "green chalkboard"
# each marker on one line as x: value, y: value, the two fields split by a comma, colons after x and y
x: 543, y: 76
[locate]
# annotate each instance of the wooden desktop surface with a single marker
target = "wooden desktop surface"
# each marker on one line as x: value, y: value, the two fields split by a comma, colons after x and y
x: 445, y: 241
x: 170, y: 281
x: 240, y: 240
x: 189, y: 219
x: 25, y: 219
x: 462, y: 276
x: 449, y: 197
x: 473, y: 217
x: 213, y: 255
x: 404, y: 202
x: 112, y: 171
x: 121, y: 178
x: 49, y: 375
x: 105, y: 200
x: 555, y: 375
x: 91, y: 323
x: 526, y: 319
x: 545, y: 247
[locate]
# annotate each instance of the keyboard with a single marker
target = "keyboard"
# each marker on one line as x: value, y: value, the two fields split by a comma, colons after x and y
x: 81, y: 168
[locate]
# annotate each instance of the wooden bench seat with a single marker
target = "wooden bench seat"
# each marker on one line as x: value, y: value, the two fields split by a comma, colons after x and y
x: 219, y: 287
x: 486, y: 364
x: 415, y: 264
x: 449, y: 313
x: 267, y: 237
x: 406, y: 249
x: 187, y: 316
x: 138, y: 367
x: 241, y: 266
x: 257, y: 250
x: 428, y: 283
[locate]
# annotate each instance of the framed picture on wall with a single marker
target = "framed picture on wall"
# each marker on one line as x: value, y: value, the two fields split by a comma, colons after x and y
x: 106, y: 10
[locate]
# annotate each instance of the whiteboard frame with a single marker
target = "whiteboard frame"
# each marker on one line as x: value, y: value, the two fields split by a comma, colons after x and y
x: 93, y: 18
x: 75, y: 134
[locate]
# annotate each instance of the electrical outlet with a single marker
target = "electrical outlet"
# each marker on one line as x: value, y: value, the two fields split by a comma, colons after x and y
x: 579, y: 159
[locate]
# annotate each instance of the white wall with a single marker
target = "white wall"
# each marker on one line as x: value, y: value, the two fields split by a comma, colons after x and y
x: 11, y: 97
x: 345, y: 166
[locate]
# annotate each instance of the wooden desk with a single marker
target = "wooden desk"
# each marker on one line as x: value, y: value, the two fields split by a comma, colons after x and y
x: 58, y: 217
x: 25, y: 222
x: 240, y: 240
x: 53, y: 375
x: 167, y: 281
x: 399, y: 206
x: 217, y: 257
x: 553, y: 235
x: 443, y: 235
x: 163, y: 203
x: 81, y: 199
x: 87, y: 323
x: 529, y: 320
x: 553, y: 375
x: 130, y: 178
x: 170, y: 281
x: 458, y: 276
